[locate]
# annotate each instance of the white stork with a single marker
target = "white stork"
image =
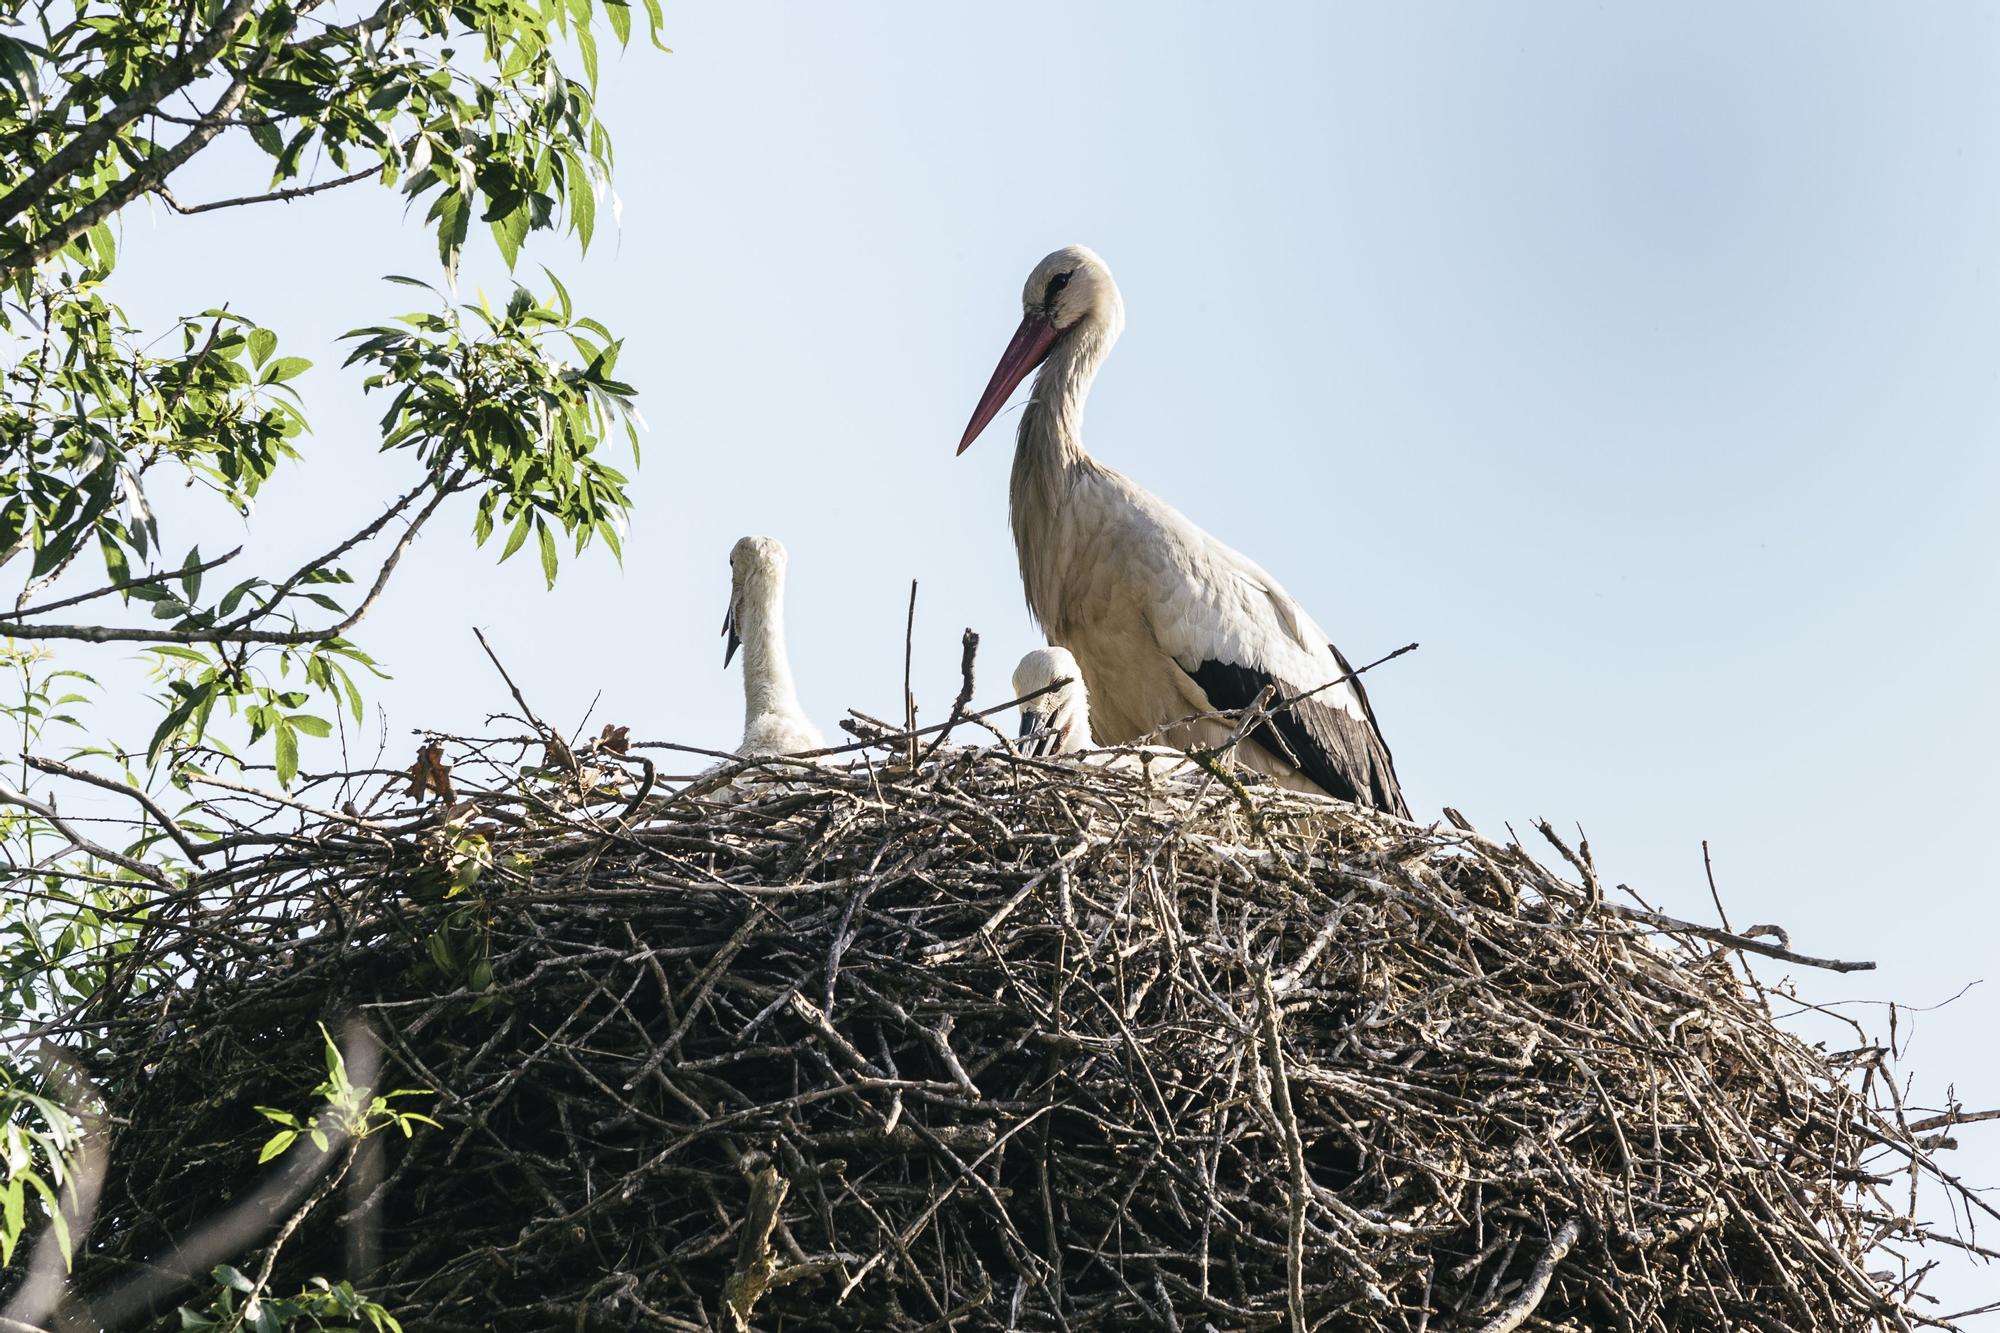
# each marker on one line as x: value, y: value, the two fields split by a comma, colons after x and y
x: 1057, y: 722
x: 773, y: 722
x: 1166, y: 622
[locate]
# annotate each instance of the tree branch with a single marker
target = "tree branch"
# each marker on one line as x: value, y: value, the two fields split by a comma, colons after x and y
x: 274, y: 196
x: 140, y: 180
x: 194, y: 850
x: 1517, y: 1310
x: 968, y: 651
x: 279, y: 593
x: 1733, y: 940
x: 144, y: 178
x: 106, y: 125
x: 125, y: 585
x: 221, y: 635
x: 8, y: 796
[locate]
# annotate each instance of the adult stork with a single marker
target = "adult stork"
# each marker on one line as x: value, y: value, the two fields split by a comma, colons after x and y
x: 1166, y: 622
x: 773, y: 722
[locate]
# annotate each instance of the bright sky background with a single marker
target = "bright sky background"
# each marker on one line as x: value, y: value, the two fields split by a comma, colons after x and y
x: 1643, y: 365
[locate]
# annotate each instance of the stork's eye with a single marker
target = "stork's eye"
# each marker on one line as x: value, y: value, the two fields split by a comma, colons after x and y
x: 1056, y: 284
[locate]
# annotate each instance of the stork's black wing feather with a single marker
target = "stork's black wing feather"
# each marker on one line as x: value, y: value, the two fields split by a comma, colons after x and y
x: 1346, y: 757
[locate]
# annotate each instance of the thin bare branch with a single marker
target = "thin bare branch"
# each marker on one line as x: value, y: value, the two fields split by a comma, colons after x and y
x: 269, y: 197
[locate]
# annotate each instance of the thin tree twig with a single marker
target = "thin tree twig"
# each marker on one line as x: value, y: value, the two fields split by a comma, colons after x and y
x: 105, y: 125
x: 910, y: 698
x: 1734, y: 940
x: 968, y: 651
x: 269, y: 197
x: 8, y: 796
x: 1516, y: 1311
x: 123, y: 585
x: 119, y: 634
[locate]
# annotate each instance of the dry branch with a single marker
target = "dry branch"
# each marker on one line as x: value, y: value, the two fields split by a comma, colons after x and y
x: 998, y: 1043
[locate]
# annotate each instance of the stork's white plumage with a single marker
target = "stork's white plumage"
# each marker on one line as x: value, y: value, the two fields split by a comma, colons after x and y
x: 1166, y: 622
x: 773, y: 722
x: 1057, y: 722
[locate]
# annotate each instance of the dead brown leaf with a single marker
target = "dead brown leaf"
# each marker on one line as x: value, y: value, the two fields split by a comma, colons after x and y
x: 431, y: 773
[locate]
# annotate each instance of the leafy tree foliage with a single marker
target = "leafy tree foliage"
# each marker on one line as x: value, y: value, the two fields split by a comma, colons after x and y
x: 477, y: 112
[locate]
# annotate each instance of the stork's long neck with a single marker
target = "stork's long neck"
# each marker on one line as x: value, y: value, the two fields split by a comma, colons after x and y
x: 767, y: 671
x: 1051, y: 436
x: 1048, y: 455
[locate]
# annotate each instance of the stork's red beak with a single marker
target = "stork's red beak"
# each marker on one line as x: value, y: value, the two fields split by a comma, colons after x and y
x: 1029, y: 348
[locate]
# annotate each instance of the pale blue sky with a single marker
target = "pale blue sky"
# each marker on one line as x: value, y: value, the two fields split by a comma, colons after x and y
x: 1644, y: 364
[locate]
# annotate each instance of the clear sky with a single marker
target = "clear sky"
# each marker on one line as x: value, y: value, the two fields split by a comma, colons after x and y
x: 1641, y: 362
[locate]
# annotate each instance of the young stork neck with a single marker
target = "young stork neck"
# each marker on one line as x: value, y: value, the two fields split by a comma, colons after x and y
x: 767, y: 671
x: 1049, y: 455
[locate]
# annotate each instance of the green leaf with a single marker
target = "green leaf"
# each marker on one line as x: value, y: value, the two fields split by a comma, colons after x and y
x: 609, y: 533
x: 13, y: 1216
x: 548, y: 551
x: 581, y: 192
x: 656, y: 20
x: 310, y: 725
x: 336, y: 1065
x: 190, y: 575
x: 454, y: 215
x: 353, y: 692
x: 562, y: 292
x: 518, y: 535
x: 263, y: 342
x: 287, y: 753
x: 227, y: 1276
x: 18, y: 65
x: 58, y: 1223
x: 115, y: 563
x: 192, y: 699
x: 284, y: 368
x: 105, y: 243
x: 265, y: 135
x: 510, y: 231
x: 276, y: 1144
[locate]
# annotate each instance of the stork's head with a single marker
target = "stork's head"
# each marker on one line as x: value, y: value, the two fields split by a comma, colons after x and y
x: 1068, y: 294
x: 756, y: 568
x: 1057, y: 722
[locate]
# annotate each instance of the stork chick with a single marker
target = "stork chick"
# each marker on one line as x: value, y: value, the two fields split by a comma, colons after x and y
x: 773, y: 722
x: 1057, y: 722
x: 1166, y: 622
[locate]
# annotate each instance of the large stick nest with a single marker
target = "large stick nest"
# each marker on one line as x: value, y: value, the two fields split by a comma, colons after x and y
x: 1001, y: 1043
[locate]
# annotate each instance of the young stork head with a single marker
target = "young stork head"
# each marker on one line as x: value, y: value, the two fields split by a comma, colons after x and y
x: 1069, y: 295
x: 756, y: 574
x: 1057, y: 722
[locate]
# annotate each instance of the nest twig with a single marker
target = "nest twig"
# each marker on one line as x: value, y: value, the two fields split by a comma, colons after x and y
x: 1000, y: 1043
